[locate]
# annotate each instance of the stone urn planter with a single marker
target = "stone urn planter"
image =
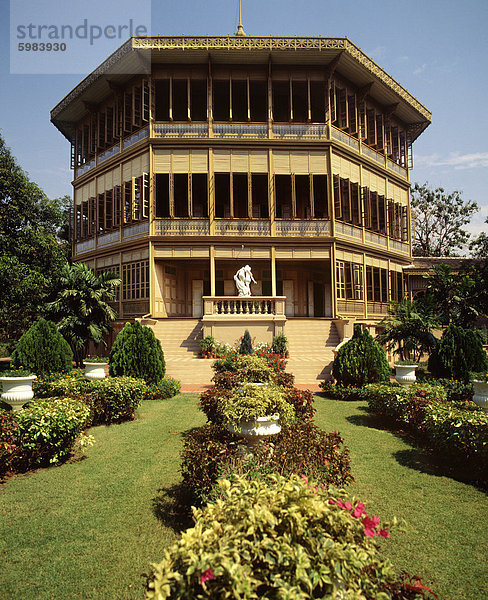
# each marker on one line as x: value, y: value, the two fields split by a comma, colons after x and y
x: 17, y: 390
x: 95, y: 370
x: 258, y: 430
x: 405, y: 374
x: 480, y: 396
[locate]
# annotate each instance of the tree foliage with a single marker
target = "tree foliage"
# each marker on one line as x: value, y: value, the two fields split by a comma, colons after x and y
x: 459, y: 352
x: 408, y: 329
x: 361, y: 360
x: 82, y: 307
x: 30, y: 253
x: 42, y: 349
x: 438, y: 221
x: 479, y: 246
x: 137, y: 353
x: 460, y: 298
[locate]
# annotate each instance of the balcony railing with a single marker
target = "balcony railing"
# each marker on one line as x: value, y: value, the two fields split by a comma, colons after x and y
x: 302, y: 228
x: 284, y: 131
x: 252, y: 306
x: 242, y: 227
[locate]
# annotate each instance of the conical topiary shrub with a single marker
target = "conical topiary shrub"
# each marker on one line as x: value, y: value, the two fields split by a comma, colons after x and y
x: 137, y: 353
x: 42, y: 348
x: 246, y: 344
x: 458, y: 352
x: 361, y: 360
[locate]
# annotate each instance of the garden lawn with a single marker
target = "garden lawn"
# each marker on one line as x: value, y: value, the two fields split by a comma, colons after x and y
x: 87, y: 530
x: 446, y: 541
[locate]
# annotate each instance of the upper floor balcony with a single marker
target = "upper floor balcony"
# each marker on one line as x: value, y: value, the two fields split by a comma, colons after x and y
x: 246, y: 131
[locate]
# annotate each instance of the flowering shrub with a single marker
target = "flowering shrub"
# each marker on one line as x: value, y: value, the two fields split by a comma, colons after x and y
x: 235, y: 362
x: 96, y: 359
x: 291, y: 543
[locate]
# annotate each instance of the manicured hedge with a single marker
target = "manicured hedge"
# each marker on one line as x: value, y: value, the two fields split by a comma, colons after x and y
x: 457, y: 429
x: 43, y: 433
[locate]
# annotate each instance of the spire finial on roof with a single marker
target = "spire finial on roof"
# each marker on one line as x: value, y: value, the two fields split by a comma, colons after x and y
x: 240, y: 30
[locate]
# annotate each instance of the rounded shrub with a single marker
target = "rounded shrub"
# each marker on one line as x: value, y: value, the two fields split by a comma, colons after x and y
x: 43, y: 349
x: 137, y: 353
x: 458, y: 352
x: 361, y: 360
x: 47, y: 430
x: 284, y: 538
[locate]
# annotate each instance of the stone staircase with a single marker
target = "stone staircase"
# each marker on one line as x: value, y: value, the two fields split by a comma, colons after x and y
x: 311, y: 343
x: 179, y: 340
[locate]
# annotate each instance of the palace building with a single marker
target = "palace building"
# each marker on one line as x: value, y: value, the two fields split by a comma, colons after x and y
x: 196, y: 156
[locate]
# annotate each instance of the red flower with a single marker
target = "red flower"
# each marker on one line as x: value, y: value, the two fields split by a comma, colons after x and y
x: 359, y: 510
x: 206, y: 575
x: 384, y: 533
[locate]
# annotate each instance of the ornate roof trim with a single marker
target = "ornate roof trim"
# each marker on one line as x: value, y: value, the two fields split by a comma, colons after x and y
x: 244, y: 43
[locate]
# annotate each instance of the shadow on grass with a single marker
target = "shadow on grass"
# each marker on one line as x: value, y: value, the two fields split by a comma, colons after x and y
x: 418, y: 457
x: 172, y: 508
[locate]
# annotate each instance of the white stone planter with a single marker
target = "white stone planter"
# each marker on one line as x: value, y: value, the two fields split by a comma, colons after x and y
x: 405, y: 374
x: 480, y: 396
x: 17, y: 390
x: 259, y: 429
x: 95, y: 371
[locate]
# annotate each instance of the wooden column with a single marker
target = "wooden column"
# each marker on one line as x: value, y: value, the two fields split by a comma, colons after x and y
x: 212, y: 270
x: 273, y: 271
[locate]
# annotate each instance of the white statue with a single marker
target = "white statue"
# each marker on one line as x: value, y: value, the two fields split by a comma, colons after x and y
x: 243, y: 279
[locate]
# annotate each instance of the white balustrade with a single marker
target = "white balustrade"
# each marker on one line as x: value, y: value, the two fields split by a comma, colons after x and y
x: 252, y: 306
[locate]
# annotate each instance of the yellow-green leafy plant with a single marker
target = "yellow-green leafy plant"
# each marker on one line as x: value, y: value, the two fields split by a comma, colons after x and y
x: 252, y: 368
x: 250, y: 402
x: 284, y: 538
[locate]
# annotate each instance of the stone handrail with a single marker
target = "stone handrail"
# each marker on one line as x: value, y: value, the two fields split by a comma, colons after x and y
x: 244, y: 305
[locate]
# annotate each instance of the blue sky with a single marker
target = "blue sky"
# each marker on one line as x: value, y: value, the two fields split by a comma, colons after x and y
x: 437, y: 49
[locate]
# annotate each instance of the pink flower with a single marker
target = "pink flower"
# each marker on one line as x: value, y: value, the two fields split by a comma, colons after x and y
x: 384, y: 533
x: 348, y: 506
x: 331, y: 501
x: 359, y: 510
x: 206, y: 575
x: 369, y: 532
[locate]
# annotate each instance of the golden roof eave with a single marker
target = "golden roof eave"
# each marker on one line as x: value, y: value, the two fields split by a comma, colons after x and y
x: 231, y: 46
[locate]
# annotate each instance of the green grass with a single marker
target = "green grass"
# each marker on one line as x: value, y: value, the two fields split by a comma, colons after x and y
x: 446, y: 541
x: 89, y: 529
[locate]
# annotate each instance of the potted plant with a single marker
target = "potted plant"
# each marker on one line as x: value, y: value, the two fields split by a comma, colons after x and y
x: 208, y: 347
x: 95, y: 367
x: 17, y: 387
x: 405, y: 372
x: 255, y: 413
x: 480, y: 385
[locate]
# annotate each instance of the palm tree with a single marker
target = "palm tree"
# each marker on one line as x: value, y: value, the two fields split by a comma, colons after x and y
x: 408, y: 328
x: 82, y: 308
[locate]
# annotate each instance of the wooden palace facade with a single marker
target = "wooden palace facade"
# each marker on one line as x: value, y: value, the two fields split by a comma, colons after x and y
x: 195, y: 156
